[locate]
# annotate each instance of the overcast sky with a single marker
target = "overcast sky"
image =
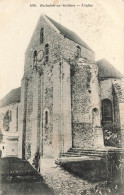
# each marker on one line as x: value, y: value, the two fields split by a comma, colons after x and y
x: 100, y: 26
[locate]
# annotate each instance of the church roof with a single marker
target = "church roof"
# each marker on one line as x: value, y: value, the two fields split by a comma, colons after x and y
x: 68, y: 33
x: 13, y: 96
x: 107, y: 70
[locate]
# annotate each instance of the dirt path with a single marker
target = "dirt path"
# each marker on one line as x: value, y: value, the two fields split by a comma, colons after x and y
x: 63, y: 182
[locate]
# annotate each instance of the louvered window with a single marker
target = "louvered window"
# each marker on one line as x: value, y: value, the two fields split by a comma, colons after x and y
x: 46, y: 52
x: 41, y: 35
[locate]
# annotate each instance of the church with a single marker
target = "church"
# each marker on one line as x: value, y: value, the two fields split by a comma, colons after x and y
x: 66, y: 99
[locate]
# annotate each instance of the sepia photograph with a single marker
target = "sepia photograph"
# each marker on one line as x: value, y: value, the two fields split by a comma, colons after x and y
x: 61, y: 97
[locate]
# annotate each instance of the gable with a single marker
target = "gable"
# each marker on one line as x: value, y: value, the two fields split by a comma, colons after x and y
x: 43, y: 22
x: 59, y: 29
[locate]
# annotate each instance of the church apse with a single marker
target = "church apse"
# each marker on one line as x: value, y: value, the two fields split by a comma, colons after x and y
x: 85, y: 105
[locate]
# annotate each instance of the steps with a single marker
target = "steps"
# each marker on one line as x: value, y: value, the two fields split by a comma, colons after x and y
x: 79, y: 152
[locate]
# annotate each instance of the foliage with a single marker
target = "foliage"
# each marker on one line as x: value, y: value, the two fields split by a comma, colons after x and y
x: 105, y: 189
x: 111, y: 138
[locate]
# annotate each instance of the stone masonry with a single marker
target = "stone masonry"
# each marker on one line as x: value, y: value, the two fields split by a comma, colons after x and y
x: 64, y: 89
x: 64, y: 94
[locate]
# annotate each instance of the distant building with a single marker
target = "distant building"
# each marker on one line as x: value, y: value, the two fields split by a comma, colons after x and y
x: 9, y: 108
x: 66, y: 99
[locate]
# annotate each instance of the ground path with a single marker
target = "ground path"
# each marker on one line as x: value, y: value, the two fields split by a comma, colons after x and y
x: 63, y: 182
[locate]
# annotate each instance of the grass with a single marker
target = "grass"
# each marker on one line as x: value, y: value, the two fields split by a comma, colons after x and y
x: 19, y: 177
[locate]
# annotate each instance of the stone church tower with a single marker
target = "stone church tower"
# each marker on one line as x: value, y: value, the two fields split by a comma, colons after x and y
x: 66, y: 102
x: 60, y: 105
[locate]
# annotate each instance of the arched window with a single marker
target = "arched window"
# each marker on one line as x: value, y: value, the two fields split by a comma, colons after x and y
x: 78, y: 51
x: 46, y: 52
x: 46, y: 117
x: 35, y: 58
x: 106, y: 110
x: 6, y: 121
x: 41, y: 35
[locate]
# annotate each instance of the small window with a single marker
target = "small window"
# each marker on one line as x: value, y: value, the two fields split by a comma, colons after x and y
x: 41, y: 35
x: 46, y: 52
x: 46, y: 117
x: 95, y: 110
x: 106, y: 110
x: 35, y: 58
x: 78, y: 51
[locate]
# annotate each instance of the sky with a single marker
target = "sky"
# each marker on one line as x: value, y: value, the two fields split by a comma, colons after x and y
x: 100, y: 26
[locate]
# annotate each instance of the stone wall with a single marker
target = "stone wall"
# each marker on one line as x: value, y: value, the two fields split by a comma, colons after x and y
x: 50, y: 93
x: 121, y: 108
x: 107, y: 93
x: 12, y: 121
x: 36, y: 113
x: 9, y: 125
x: 66, y: 106
x: 57, y: 109
x: 83, y: 136
x: 58, y: 45
x: 48, y: 109
x: 52, y: 80
x: 38, y: 100
x: 22, y: 117
x: 106, y: 89
x: 85, y: 102
x: 29, y: 120
x: 116, y: 113
x: 113, y: 126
